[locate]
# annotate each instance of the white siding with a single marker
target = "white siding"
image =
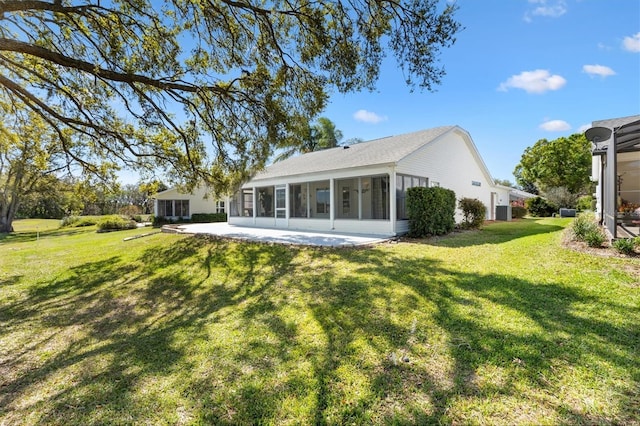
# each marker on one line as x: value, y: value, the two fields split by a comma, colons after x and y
x: 451, y: 161
x: 197, y: 201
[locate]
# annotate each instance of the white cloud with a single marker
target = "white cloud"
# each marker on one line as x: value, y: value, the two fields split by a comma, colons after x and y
x: 555, y: 126
x: 632, y: 44
x: 537, y: 81
x: 550, y: 9
x: 368, y: 116
x: 600, y: 70
x: 603, y: 46
x: 584, y: 128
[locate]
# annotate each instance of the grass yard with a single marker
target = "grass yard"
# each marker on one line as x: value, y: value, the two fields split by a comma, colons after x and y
x: 499, y: 326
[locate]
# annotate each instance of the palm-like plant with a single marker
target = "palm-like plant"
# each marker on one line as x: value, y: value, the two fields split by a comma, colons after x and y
x: 314, y: 137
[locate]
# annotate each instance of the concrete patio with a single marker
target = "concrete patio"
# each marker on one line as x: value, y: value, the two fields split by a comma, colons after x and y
x: 280, y: 236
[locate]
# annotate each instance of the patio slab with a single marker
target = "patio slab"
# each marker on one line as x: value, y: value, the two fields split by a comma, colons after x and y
x: 281, y: 236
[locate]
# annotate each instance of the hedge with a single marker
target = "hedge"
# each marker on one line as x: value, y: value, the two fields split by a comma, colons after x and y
x: 431, y: 211
x: 208, y: 217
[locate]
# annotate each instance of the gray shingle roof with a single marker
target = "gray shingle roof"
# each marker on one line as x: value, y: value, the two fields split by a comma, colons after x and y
x: 614, y: 123
x: 387, y: 150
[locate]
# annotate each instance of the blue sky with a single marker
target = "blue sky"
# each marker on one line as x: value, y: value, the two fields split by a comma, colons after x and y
x: 520, y: 71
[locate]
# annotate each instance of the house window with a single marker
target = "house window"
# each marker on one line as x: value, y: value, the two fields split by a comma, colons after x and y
x: 266, y: 201
x: 323, y: 201
x: 476, y: 183
x: 347, y: 197
x: 181, y: 208
x: 281, y: 202
x: 247, y: 202
x: 220, y: 207
x: 173, y: 208
x: 298, y: 200
x: 165, y: 208
x: 404, y: 182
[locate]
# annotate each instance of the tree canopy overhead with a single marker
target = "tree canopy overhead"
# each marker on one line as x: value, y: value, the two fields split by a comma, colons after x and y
x: 204, y: 88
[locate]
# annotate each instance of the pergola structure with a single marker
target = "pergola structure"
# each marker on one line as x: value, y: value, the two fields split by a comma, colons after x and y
x: 616, y: 144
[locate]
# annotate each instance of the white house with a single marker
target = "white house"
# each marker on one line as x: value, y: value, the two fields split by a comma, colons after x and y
x: 616, y: 169
x: 362, y: 188
x: 174, y: 204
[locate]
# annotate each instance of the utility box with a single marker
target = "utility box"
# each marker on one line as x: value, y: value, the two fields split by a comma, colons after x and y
x: 503, y: 212
x: 567, y: 212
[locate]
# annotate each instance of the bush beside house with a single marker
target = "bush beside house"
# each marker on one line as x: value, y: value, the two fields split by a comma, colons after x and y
x: 473, y: 212
x: 431, y: 211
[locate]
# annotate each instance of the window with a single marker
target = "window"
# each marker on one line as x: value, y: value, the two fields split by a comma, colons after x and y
x: 266, y: 202
x: 173, y: 208
x: 165, y: 208
x: 347, y: 198
x: 181, y: 208
x: 404, y: 182
x: 220, y: 207
x: 323, y: 201
x: 240, y: 205
x: 247, y: 202
x: 281, y: 202
x: 298, y: 200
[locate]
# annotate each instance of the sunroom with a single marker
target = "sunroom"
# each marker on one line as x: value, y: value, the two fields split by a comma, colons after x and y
x: 616, y: 169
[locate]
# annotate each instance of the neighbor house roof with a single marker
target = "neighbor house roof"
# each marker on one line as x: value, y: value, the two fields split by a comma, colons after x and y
x: 388, y: 150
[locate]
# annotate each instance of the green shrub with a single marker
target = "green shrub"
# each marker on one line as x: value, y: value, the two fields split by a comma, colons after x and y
x: 208, y: 217
x: 624, y: 245
x: 473, y: 212
x: 595, y: 238
x: 539, y: 207
x: 431, y: 211
x: 79, y: 221
x: 518, y: 212
x: 160, y: 220
x: 115, y: 223
x: 584, y: 224
x: 586, y: 202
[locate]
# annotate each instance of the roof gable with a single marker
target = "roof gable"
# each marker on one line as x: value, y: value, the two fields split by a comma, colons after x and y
x: 388, y: 150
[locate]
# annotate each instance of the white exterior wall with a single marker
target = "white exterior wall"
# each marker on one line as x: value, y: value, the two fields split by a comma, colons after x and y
x: 452, y: 161
x: 596, y: 172
x: 197, y: 201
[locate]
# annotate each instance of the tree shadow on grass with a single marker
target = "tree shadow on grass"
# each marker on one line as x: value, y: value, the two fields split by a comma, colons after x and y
x: 30, y: 236
x: 212, y: 331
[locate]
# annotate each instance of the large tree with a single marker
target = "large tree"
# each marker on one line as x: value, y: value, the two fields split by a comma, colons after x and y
x: 205, y: 88
x: 560, y: 163
x: 315, y: 137
x: 32, y: 159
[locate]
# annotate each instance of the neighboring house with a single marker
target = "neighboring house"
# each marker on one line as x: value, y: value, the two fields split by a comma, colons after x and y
x: 174, y: 204
x: 616, y: 169
x: 362, y: 188
x: 511, y: 196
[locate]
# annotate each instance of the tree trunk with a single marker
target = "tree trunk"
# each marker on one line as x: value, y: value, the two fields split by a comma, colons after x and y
x: 7, y: 214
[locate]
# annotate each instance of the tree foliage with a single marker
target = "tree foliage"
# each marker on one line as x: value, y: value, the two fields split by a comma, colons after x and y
x: 315, y: 137
x: 207, y: 88
x: 31, y: 160
x: 563, y: 162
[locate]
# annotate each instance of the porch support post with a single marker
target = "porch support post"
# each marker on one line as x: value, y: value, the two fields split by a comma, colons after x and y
x: 332, y: 203
x: 392, y: 202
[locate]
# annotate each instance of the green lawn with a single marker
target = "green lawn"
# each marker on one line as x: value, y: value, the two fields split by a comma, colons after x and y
x: 499, y: 326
